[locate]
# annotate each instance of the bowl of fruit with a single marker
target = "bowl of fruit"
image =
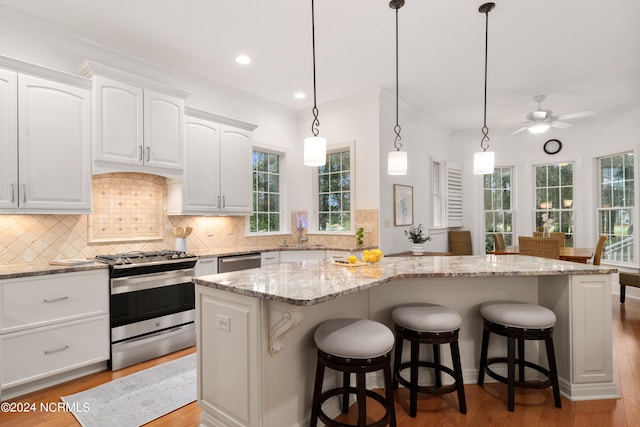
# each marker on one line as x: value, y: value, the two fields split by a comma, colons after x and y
x: 372, y: 256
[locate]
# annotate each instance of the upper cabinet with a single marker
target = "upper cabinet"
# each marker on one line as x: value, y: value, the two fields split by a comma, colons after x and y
x: 138, y: 124
x: 45, y: 140
x: 217, y: 175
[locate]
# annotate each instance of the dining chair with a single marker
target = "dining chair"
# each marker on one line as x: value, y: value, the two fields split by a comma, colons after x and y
x: 560, y: 235
x: 597, y: 255
x: 498, y: 242
x: 539, y: 246
x: 460, y: 242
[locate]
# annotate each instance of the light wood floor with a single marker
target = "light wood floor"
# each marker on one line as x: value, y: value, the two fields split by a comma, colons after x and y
x: 485, y: 406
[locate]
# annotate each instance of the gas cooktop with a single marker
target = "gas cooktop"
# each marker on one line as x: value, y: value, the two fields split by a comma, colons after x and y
x: 139, y: 257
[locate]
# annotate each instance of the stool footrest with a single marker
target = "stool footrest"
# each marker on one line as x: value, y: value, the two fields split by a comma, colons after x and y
x: 429, y: 389
x: 536, y: 384
x: 352, y: 390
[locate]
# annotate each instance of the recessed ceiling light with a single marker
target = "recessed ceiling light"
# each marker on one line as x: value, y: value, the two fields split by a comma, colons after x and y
x: 299, y: 95
x: 243, y: 59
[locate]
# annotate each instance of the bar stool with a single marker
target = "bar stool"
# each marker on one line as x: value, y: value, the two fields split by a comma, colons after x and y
x: 427, y: 324
x: 519, y: 321
x: 354, y: 346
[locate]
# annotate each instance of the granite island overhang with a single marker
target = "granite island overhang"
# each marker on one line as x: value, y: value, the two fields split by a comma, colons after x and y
x: 255, y: 327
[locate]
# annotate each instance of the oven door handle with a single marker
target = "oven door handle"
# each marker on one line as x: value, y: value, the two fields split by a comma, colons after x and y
x: 122, y: 285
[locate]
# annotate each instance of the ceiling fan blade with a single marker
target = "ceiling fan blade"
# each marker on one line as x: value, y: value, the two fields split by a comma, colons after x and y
x: 576, y: 115
x: 518, y: 131
x: 560, y: 125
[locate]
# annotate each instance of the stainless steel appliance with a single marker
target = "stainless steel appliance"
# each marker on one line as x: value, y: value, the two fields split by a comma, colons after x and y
x: 238, y: 262
x: 152, y: 305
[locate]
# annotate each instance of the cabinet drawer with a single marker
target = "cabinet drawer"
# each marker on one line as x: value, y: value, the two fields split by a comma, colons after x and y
x: 34, y: 354
x: 41, y: 300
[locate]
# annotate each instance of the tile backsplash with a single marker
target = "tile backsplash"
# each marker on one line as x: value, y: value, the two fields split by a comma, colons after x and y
x: 41, y: 238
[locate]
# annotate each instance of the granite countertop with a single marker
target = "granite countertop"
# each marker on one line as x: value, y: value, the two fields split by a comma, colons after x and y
x: 25, y: 270
x: 210, y: 253
x: 313, y: 282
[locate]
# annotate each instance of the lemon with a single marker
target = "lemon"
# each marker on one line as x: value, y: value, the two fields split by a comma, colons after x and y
x: 352, y: 259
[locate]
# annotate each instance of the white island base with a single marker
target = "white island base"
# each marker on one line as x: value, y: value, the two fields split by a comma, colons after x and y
x: 256, y: 355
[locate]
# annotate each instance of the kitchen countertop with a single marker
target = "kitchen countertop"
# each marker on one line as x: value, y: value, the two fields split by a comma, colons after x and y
x: 312, y: 282
x: 25, y: 270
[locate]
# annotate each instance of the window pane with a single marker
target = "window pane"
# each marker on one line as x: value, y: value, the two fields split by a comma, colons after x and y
x: 266, y: 192
x: 497, y: 205
x: 334, y: 193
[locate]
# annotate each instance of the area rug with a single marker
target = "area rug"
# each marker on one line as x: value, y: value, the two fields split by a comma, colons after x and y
x: 136, y: 399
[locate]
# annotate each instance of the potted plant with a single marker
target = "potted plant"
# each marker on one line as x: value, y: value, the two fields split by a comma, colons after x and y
x: 418, y: 237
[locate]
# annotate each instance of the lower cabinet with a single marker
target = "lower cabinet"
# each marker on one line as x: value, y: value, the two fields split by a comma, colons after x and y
x: 53, y: 328
x: 296, y: 256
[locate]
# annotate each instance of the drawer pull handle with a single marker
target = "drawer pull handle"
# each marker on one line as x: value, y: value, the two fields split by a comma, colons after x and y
x: 57, y: 350
x: 55, y: 299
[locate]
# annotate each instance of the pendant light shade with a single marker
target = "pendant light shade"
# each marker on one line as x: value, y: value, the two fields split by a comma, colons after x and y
x: 315, y: 151
x: 397, y: 163
x: 483, y: 161
x: 315, y: 147
x: 397, y: 160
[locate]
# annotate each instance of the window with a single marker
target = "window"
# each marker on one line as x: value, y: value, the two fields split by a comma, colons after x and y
x: 436, y: 196
x: 266, y: 192
x: 616, y: 205
x: 554, y: 198
x: 334, y: 192
x: 498, y: 212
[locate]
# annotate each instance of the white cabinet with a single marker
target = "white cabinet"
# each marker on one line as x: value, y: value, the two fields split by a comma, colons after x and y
x: 296, y: 256
x: 138, y: 125
x: 45, y: 140
x: 52, y: 327
x: 206, y: 266
x: 269, y: 258
x: 217, y: 175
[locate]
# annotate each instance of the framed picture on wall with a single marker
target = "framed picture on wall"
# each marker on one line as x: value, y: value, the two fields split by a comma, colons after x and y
x: 402, y: 204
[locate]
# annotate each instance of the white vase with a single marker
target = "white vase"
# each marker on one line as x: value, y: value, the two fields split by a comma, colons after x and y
x: 417, y: 248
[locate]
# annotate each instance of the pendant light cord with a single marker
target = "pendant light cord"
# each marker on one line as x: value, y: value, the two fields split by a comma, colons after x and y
x: 484, y: 143
x: 315, y: 123
x: 397, y: 144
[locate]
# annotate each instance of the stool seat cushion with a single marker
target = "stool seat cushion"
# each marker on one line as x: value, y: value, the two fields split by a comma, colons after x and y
x: 354, y: 338
x: 426, y: 318
x: 518, y: 314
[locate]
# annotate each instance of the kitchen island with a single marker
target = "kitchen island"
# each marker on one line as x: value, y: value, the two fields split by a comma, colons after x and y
x: 256, y: 355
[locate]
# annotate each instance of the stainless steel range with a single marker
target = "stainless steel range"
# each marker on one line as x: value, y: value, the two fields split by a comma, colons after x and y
x: 152, y: 304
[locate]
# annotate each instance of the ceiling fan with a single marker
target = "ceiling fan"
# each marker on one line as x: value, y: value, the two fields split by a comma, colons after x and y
x: 540, y: 120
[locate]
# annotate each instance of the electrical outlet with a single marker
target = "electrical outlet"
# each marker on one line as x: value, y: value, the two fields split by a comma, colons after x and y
x: 224, y: 323
x: 210, y: 230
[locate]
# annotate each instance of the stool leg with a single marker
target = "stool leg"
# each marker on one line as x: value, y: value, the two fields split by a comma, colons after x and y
x: 317, y: 392
x: 436, y: 362
x: 521, y: 359
x: 483, y: 354
x: 457, y: 369
x: 397, y: 359
x: 388, y: 383
x: 511, y: 374
x: 553, y: 372
x: 413, y: 389
x: 346, y: 382
x: 361, y: 398
x: 623, y: 288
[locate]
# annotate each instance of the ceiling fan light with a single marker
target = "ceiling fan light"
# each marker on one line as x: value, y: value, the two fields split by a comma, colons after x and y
x: 397, y: 163
x: 537, y: 128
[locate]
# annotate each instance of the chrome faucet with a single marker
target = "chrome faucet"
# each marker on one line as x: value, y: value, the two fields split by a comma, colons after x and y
x: 301, y: 239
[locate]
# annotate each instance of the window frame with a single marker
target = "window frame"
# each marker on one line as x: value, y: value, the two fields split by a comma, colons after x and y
x: 633, y: 261
x: 314, y: 222
x: 511, y: 210
x: 538, y: 212
x: 284, y: 223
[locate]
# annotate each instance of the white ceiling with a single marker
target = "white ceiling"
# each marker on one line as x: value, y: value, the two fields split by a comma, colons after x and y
x: 583, y: 54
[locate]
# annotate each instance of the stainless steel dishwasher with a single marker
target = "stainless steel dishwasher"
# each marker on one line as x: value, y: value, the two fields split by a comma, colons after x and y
x: 238, y: 262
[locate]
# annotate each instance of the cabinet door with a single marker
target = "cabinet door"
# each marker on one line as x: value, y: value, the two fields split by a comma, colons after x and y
x: 201, y: 176
x: 163, y: 130
x: 8, y: 140
x: 235, y: 170
x: 54, y: 137
x: 118, y: 118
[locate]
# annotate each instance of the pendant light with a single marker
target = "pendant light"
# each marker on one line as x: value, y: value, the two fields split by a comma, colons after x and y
x: 397, y: 160
x: 483, y: 161
x: 315, y: 147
